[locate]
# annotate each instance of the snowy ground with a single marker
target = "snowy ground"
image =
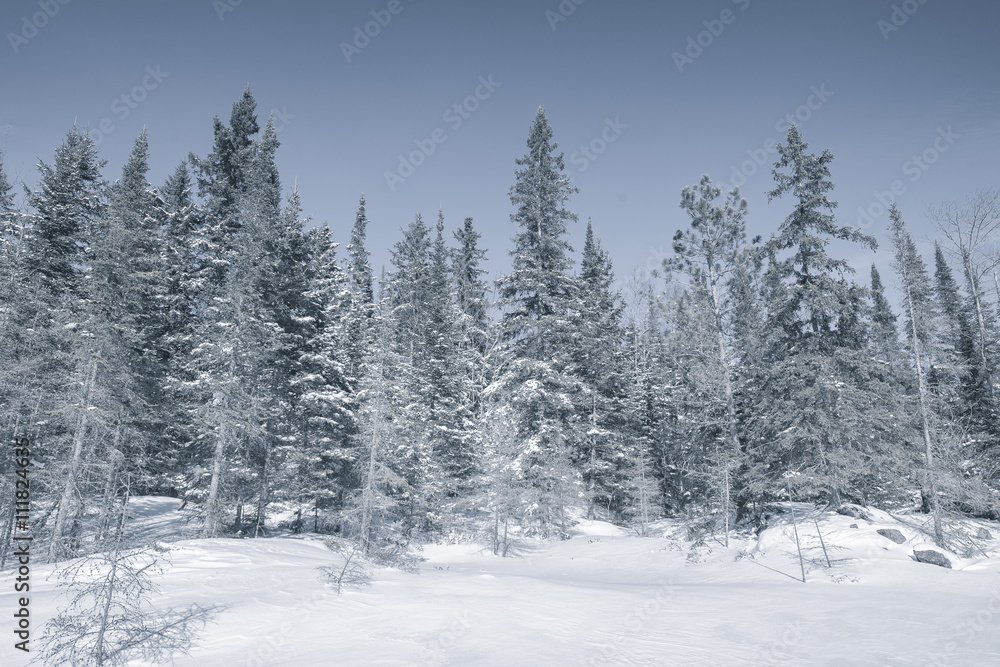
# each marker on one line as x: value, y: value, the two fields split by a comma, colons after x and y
x: 603, y: 597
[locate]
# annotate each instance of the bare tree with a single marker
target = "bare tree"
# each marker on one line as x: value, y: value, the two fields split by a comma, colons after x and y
x: 110, y: 620
x: 971, y: 227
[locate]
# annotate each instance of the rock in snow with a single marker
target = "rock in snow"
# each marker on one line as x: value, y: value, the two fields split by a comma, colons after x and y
x: 891, y: 534
x: 855, y: 512
x: 933, y: 557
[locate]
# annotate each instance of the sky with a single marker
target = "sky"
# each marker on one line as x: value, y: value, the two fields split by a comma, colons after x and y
x: 423, y: 105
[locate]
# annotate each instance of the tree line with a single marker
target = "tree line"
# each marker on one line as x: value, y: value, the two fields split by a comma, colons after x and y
x: 202, y: 339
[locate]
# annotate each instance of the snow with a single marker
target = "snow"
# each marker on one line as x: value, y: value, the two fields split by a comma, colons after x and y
x: 604, y: 596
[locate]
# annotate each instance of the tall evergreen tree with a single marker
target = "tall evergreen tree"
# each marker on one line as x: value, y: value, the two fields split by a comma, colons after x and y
x: 920, y: 322
x: 320, y: 460
x: 115, y: 411
x: 538, y: 297
x: 446, y: 385
x: 601, y: 358
x: 70, y: 196
x: 817, y: 428
x: 223, y: 177
x: 186, y: 285
x: 244, y: 353
x: 467, y: 267
x: 361, y: 308
x: 954, y: 374
x: 710, y: 254
x: 884, y: 332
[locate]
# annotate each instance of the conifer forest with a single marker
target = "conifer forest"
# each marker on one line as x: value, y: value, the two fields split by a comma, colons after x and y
x: 202, y: 339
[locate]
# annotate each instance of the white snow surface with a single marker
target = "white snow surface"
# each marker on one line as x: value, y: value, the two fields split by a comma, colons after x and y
x: 602, y: 597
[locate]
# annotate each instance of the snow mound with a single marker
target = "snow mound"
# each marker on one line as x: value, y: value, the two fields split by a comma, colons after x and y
x: 591, y: 528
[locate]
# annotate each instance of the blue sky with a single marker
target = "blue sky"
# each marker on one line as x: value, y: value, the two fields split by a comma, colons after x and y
x: 657, y: 92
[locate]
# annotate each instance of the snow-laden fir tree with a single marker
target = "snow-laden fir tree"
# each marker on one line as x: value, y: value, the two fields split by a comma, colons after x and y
x: 244, y: 351
x: 601, y: 360
x: 538, y: 297
x: 361, y: 307
x: 467, y: 261
x: 187, y: 281
x: 318, y: 464
x: 826, y: 412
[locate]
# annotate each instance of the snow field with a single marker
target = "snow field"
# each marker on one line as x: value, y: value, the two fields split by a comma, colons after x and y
x: 604, y: 597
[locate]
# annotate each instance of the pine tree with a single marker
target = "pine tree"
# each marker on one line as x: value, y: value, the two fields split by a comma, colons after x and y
x: 380, y: 505
x: 115, y: 412
x: 649, y: 411
x: 710, y: 254
x: 815, y: 427
x: 970, y: 228
x: 70, y: 196
x: 956, y: 373
x: 361, y: 308
x: 243, y: 354
x: 318, y: 466
x: 186, y: 286
x: 884, y: 332
x: 438, y: 460
x: 445, y: 384
x: 223, y: 177
x: 467, y: 267
x: 538, y: 298
x: 600, y: 358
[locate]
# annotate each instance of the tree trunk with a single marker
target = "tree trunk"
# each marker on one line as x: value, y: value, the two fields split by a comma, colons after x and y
x: 924, y: 420
x: 732, y: 431
x: 980, y: 319
x: 212, y: 509
x: 72, y: 475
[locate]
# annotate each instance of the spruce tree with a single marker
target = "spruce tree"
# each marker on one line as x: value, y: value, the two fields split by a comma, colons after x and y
x: 884, y: 332
x: 70, y: 196
x: 361, y: 307
x: 538, y: 297
x: 816, y: 430
x: 920, y: 332
x: 472, y: 302
x: 446, y: 386
x: 324, y: 403
x: 600, y: 358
